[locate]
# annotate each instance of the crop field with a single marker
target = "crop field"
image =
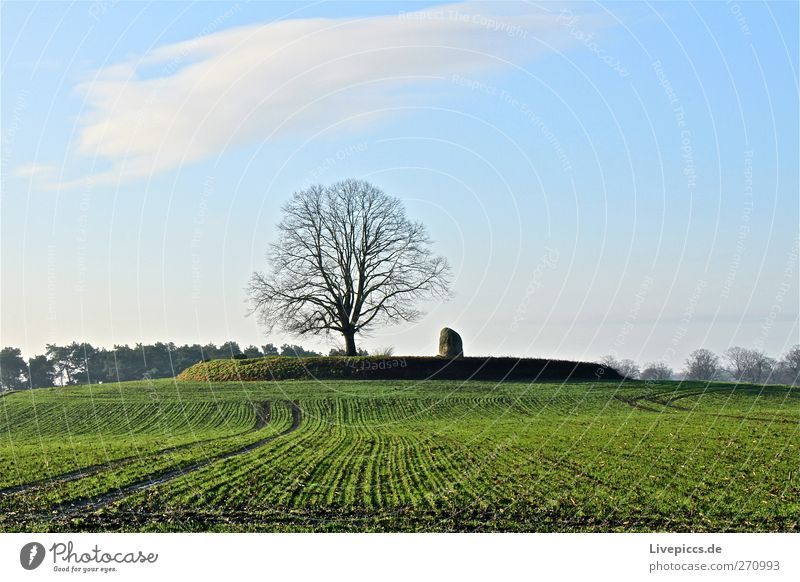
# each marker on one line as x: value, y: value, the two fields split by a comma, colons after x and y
x: 390, y: 455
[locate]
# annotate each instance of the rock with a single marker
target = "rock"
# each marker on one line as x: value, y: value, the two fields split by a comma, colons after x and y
x: 450, y: 345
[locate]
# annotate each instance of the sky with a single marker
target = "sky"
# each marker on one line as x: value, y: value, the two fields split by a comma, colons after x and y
x: 604, y: 178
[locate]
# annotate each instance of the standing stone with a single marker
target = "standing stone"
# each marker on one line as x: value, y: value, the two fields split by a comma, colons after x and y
x: 450, y: 344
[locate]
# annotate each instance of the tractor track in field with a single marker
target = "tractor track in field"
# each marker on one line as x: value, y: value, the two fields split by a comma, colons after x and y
x: 263, y: 415
x: 636, y: 402
x: 89, y: 504
x: 263, y: 412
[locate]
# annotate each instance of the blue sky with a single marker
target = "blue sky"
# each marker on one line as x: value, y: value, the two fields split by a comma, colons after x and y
x: 604, y: 178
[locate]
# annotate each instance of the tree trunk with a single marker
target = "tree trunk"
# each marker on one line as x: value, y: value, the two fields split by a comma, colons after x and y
x: 349, y: 343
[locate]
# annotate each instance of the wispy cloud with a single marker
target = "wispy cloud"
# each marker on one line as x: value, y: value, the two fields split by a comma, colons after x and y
x: 191, y: 100
x: 34, y: 170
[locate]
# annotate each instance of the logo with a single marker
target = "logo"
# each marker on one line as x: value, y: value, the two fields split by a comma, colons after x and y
x: 31, y: 555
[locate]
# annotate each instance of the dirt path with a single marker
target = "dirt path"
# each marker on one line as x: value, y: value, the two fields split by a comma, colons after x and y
x: 95, y: 502
x: 263, y: 412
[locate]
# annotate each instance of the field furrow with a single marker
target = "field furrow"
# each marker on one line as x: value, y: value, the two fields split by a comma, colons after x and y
x: 401, y: 456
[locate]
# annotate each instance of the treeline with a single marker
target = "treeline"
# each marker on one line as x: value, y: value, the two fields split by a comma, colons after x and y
x: 736, y: 364
x: 82, y: 363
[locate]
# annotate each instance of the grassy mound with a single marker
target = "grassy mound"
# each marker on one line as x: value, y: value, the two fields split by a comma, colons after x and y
x: 395, y: 368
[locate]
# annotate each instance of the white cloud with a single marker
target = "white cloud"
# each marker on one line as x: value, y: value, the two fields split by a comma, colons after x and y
x: 34, y: 170
x: 191, y: 100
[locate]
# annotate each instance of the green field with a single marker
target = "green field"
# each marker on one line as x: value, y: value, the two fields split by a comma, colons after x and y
x: 400, y: 456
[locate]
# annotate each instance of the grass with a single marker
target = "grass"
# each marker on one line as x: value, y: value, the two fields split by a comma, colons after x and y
x: 388, y: 455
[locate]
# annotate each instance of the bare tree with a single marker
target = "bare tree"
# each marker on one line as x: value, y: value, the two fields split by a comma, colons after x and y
x: 761, y: 367
x: 748, y: 365
x: 626, y: 367
x: 347, y: 258
x: 656, y: 371
x: 789, y: 366
x: 740, y: 361
x: 702, y: 364
x: 610, y: 361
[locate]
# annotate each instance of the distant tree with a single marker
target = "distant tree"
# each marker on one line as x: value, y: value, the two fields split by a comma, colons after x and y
x: 68, y: 362
x: 792, y: 359
x: 270, y: 350
x: 294, y: 351
x: 789, y: 366
x: 749, y: 365
x: 186, y: 355
x: 761, y: 367
x: 212, y: 352
x: 347, y: 258
x: 159, y: 360
x: 625, y: 367
x: 628, y: 368
x: 252, y: 351
x: 100, y: 365
x: 610, y: 361
x: 740, y: 361
x: 126, y: 363
x: 82, y: 355
x: 80, y: 363
x: 57, y: 356
x: 40, y: 372
x: 75, y: 360
x: 230, y: 349
x: 13, y: 371
x: 656, y: 371
x: 340, y: 351
x: 702, y: 364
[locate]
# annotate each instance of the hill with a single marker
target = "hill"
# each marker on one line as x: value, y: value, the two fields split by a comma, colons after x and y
x: 396, y: 368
